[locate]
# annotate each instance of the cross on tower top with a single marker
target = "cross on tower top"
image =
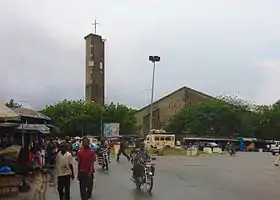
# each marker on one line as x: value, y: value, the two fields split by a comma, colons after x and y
x: 95, y: 26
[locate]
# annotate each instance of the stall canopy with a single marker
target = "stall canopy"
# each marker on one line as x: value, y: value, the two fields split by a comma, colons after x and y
x: 6, y: 114
x: 35, y: 127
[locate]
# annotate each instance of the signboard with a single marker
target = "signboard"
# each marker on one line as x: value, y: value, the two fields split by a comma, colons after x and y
x: 111, y: 129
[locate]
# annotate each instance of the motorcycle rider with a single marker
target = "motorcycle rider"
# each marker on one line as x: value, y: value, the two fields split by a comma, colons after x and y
x: 102, y: 146
x: 139, y: 156
x: 102, y: 142
x: 231, y: 148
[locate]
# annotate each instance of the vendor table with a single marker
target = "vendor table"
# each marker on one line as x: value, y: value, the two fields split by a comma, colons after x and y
x: 9, y: 183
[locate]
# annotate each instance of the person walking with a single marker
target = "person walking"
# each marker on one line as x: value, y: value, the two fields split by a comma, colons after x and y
x: 50, y: 151
x: 50, y: 159
x: 69, y: 144
x: 122, y: 150
x: 24, y: 162
x: 276, y: 161
x: 65, y: 172
x: 86, y: 158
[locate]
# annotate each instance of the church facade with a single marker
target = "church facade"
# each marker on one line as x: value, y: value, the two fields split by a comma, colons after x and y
x: 167, y: 106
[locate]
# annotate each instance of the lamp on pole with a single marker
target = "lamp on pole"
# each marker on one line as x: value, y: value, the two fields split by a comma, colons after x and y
x: 153, y: 59
x: 101, y: 119
x: 101, y: 122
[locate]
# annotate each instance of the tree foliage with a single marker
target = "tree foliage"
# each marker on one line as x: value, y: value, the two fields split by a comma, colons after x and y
x: 83, y: 118
x: 13, y: 104
x: 269, y: 122
x: 228, y: 116
x: 212, y: 117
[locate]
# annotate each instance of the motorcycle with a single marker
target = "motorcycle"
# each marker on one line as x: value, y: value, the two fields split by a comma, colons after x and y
x: 104, y: 158
x: 146, y: 178
x: 231, y: 152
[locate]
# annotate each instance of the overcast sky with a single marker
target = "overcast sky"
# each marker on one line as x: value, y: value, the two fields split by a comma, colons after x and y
x: 216, y: 47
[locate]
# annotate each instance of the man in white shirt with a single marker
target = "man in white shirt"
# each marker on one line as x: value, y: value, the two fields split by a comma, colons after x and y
x: 64, y: 172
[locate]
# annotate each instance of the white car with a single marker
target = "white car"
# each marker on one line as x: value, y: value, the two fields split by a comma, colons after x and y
x: 210, y: 144
x: 274, y: 149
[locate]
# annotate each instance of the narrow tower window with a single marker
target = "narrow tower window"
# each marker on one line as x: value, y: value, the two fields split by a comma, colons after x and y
x: 91, y: 63
x: 101, y: 66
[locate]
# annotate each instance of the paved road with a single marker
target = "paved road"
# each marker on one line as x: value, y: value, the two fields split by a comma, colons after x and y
x: 248, y: 176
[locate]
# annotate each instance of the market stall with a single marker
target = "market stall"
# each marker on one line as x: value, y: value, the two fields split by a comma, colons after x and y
x: 9, y: 121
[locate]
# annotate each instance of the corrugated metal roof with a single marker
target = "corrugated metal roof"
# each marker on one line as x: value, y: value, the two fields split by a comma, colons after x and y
x: 249, y: 139
x: 7, y: 114
x: 35, y: 127
x: 9, y: 124
x: 30, y: 113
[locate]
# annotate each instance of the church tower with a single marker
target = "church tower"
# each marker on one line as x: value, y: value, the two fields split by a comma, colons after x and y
x: 95, y: 66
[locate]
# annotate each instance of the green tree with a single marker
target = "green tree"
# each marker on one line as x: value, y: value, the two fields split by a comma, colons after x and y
x: 237, y: 102
x: 83, y: 118
x: 121, y: 114
x: 229, y: 116
x: 211, y: 117
x: 13, y: 104
x: 247, y: 112
x: 268, y: 122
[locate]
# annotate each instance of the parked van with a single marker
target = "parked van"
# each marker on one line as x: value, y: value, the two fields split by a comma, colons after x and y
x: 160, y: 140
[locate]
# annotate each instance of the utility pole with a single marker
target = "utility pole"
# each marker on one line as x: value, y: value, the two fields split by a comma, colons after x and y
x: 153, y: 59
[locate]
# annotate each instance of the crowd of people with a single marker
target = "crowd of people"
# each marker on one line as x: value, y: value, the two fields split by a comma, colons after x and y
x: 60, y: 159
